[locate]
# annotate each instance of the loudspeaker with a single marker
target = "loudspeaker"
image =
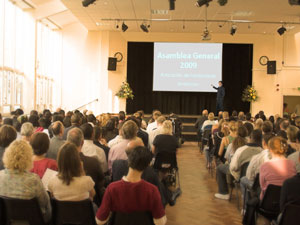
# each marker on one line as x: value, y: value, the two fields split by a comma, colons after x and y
x: 271, y: 67
x: 112, y: 64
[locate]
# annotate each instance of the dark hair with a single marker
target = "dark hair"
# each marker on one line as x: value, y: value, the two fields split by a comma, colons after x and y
x: 249, y: 127
x: 240, y: 140
x: 99, y: 132
x: 282, y: 134
x: 34, y: 113
x: 8, y: 121
x: 221, y: 82
x: 7, y: 135
x: 234, y: 113
x: 87, y: 130
x: 62, y: 112
x: 67, y: 121
x: 57, y: 117
x: 110, y: 125
x: 272, y: 119
x: 256, y: 136
x: 267, y: 137
x: 16, y: 125
x: 285, y: 124
x: 121, y: 115
x: 248, y: 116
x: 56, y: 127
x: 135, y: 119
x: 43, y: 123
x: 267, y: 127
x: 139, y: 158
x: 69, y: 163
x: 91, y: 118
x: 40, y: 143
x: 19, y: 112
x: 298, y: 136
x: 75, y: 118
x: 34, y: 119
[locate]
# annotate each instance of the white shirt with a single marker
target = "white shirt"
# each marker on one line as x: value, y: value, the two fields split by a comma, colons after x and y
x: 255, y: 163
x: 92, y: 150
x: 208, y: 122
x: 151, y: 126
x: 115, y: 141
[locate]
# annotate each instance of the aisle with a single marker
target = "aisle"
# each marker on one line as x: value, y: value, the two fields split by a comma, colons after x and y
x: 197, y: 205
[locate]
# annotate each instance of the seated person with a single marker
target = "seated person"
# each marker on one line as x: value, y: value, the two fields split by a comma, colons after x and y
x: 7, y: 135
x: 210, y: 121
x: 278, y: 169
x: 70, y: 184
x: 26, y: 131
x: 132, y: 194
x: 40, y: 144
x: 16, y: 180
x: 290, y: 191
x: 57, y: 140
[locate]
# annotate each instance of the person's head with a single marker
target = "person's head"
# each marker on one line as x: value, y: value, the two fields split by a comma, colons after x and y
x: 267, y: 127
x: 27, y: 130
x: 211, y: 116
x: 19, y: 112
x: 278, y: 146
x: 33, y: 112
x: 76, y: 119
x: 17, y: 125
x: 248, y: 116
x: 292, y: 133
x: 284, y: 124
x: 283, y: 134
x: 67, y: 121
x: 110, y: 125
x: 234, y: 113
x: 43, y: 123
x: 58, y: 128
x: 129, y: 130
x: 272, y: 119
x: 139, y: 158
x: 69, y: 163
x: 249, y: 127
x: 18, y: 156
x: 7, y: 135
x: 40, y: 143
x: 240, y: 140
x: 22, y: 119
x: 87, y: 130
x: 91, y: 119
x: 205, y: 112
x: 256, y: 137
x: 225, y: 115
x: 75, y: 136
x: 220, y: 83
x: 167, y: 127
x: 241, y: 115
x: 8, y: 121
x: 258, y: 123
x: 34, y: 120
x: 233, y: 127
x: 160, y: 120
x: 133, y: 144
x: 99, y: 133
x: 57, y: 117
x: 266, y: 138
x: 122, y: 115
x: 156, y: 114
x: 225, y: 128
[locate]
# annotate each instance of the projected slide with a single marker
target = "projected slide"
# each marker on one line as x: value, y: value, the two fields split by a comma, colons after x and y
x: 187, y: 66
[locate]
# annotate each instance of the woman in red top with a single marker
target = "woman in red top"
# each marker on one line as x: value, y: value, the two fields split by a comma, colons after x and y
x: 40, y: 144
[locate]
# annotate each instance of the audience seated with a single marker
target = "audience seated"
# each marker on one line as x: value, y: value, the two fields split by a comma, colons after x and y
x: 132, y: 194
x: 7, y: 135
x: 118, y: 138
x: 111, y: 131
x: 40, y: 144
x: 71, y: 183
x: 99, y: 139
x: 153, y: 125
x: 278, y: 169
x: 90, y: 149
x: 75, y: 122
x: 16, y: 180
x: 201, y: 119
x: 141, y: 133
x: 57, y: 140
x: 27, y: 131
x: 293, y: 145
x: 210, y: 121
x: 156, y: 131
x: 226, y: 140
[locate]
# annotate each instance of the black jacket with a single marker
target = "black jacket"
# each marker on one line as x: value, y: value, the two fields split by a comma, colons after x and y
x: 220, y: 93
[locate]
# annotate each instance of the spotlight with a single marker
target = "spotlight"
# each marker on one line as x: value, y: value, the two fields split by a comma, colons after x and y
x: 172, y: 4
x: 86, y: 3
x: 233, y: 29
x: 124, y: 27
x: 222, y: 2
x: 200, y: 3
x: 144, y: 28
x: 281, y: 30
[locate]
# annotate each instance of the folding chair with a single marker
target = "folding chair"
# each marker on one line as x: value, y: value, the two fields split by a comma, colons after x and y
x: 134, y: 218
x: 290, y: 215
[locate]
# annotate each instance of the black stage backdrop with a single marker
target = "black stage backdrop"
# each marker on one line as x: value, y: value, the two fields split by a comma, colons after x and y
x: 237, y: 74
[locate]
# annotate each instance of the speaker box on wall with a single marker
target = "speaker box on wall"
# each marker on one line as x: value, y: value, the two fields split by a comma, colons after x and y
x: 271, y: 67
x: 112, y: 64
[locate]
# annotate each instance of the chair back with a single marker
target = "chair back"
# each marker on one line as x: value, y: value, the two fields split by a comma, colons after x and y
x: 17, y: 210
x: 165, y: 160
x: 71, y: 212
x: 244, y: 168
x: 270, y: 204
x: 290, y: 215
x: 134, y: 218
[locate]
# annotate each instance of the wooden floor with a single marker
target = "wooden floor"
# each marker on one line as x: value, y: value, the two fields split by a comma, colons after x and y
x: 197, y: 205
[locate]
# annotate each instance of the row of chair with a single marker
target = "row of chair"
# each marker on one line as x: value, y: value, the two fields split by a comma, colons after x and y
x: 19, y: 211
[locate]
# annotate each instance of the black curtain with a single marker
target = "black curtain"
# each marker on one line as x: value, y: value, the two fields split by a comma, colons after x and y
x: 237, y: 74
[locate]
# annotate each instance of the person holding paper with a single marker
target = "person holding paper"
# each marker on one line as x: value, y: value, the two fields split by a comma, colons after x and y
x: 220, y: 97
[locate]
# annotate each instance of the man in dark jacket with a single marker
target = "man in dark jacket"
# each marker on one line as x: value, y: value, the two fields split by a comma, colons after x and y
x: 220, y: 97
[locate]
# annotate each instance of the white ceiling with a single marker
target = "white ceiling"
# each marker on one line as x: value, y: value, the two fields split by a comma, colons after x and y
x: 253, y: 10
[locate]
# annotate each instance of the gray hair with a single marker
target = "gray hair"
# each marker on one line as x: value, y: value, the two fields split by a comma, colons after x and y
x: 75, y: 136
x: 27, y: 129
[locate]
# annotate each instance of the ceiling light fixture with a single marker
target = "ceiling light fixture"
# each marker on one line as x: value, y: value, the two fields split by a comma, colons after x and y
x: 124, y: 27
x: 86, y: 3
x: 233, y: 29
x: 222, y: 2
x: 144, y: 28
x: 281, y: 30
x: 172, y: 4
x: 200, y: 3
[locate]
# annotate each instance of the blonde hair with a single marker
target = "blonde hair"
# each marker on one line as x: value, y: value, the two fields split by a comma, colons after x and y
x: 167, y: 127
x: 18, y: 156
x: 258, y: 123
x: 211, y: 116
x: 278, y: 145
x: 225, y: 115
x: 233, y: 126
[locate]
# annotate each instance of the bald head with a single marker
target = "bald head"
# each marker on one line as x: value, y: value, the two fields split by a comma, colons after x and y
x: 133, y: 144
x: 75, y: 136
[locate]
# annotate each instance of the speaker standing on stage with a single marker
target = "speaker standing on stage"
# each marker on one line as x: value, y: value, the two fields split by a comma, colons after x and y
x: 220, y: 97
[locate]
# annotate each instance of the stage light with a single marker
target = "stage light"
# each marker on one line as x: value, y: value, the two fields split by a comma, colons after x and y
x: 294, y: 2
x: 144, y: 28
x: 222, y: 2
x: 200, y: 3
x: 172, y: 4
x: 124, y: 27
x: 233, y: 29
x: 86, y: 3
x: 206, y: 35
x: 281, y: 30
